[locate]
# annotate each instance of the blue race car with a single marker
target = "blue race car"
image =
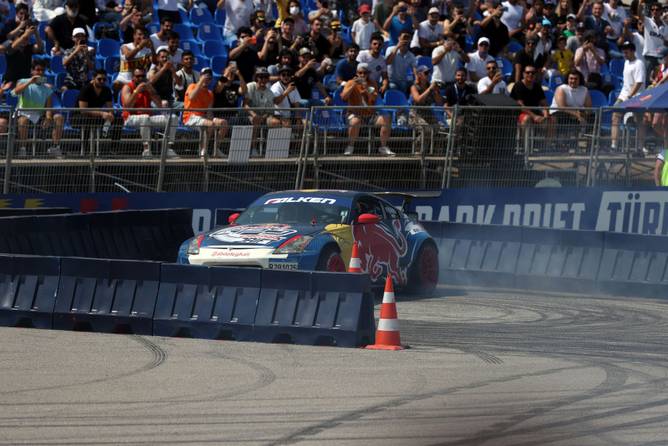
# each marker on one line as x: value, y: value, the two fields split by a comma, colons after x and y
x: 315, y: 230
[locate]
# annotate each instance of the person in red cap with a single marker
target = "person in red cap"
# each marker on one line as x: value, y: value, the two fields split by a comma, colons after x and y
x: 363, y: 28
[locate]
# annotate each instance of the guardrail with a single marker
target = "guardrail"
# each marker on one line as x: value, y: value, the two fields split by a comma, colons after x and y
x: 321, y: 147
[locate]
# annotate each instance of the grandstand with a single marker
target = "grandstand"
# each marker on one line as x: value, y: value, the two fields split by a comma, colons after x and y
x: 472, y: 143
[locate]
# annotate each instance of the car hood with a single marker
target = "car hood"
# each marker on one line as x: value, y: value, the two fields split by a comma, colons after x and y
x: 269, y: 235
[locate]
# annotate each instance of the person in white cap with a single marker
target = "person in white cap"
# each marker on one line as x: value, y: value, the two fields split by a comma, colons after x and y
x: 476, y: 66
x: 79, y: 61
x: 430, y: 32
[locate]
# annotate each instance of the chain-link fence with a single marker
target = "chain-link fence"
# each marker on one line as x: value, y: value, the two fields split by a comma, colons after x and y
x: 367, y: 148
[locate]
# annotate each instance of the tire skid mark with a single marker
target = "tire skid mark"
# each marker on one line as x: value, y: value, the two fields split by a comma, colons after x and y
x: 158, y: 356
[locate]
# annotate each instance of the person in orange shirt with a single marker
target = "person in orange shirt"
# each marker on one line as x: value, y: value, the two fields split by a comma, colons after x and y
x: 361, y: 91
x: 197, y: 99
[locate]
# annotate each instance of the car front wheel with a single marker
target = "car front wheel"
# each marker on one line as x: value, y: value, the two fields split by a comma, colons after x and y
x: 331, y: 260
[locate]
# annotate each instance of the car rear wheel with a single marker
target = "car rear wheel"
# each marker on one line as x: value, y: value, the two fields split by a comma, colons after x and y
x: 423, y: 276
x: 331, y: 260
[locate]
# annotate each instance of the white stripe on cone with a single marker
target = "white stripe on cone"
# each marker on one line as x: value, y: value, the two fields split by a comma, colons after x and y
x: 355, y: 262
x: 388, y: 325
x: 388, y: 297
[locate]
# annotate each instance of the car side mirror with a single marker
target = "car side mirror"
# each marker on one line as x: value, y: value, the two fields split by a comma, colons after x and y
x: 232, y: 218
x: 368, y: 218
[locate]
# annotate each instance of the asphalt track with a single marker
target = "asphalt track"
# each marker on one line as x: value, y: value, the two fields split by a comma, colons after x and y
x: 485, y: 368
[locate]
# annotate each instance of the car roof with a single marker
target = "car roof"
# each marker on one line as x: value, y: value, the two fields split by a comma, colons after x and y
x: 319, y: 193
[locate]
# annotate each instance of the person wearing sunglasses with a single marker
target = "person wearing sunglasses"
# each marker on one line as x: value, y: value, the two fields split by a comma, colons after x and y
x: 526, y: 58
x: 95, y: 103
x: 656, y: 34
x: 530, y: 96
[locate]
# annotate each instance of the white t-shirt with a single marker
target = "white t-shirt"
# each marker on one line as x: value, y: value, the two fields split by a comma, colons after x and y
x: 615, y: 17
x: 575, y: 97
x: 512, y: 16
x: 654, y: 37
x: 377, y: 65
x: 477, y: 64
x: 157, y: 43
x: 237, y: 14
x: 363, y: 33
x: 444, y: 71
x: 634, y: 72
x: 428, y: 32
x: 500, y: 88
x: 293, y: 98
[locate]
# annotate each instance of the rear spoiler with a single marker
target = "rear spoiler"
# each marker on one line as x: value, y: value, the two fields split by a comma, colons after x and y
x: 409, y: 196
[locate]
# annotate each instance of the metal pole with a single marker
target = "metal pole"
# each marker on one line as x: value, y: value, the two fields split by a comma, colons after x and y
x: 445, y: 183
x: 163, y: 154
x: 10, y: 152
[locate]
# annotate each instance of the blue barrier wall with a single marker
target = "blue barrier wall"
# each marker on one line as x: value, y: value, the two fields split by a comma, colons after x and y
x: 143, y: 297
x: 133, y: 235
x: 548, y: 259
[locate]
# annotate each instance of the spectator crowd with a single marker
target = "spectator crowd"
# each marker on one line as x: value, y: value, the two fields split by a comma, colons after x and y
x: 550, y: 56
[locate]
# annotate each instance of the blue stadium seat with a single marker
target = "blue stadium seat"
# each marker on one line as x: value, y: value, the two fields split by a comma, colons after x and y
x: 56, y: 66
x: 612, y: 97
x: 506, y: 67
x: 3, y: 64
x: 108, y: 48
x: 218, y: 64
x: 60, y: 80
x: 329, y: 81
x: 184, y: 31
x: 153, y: 27
x: 598, y: 99
x: 219, y: 17
x: 199, y: 16
x: 70, y: 99
x: 425, y: 60
x: 397, y: 98
x: 514, y: 46
x: 617, y: 67
x: 209, y: 31
x: 201, y: 62
x: 214, y: 48
x: 549, y: 95
x: 191, y: 45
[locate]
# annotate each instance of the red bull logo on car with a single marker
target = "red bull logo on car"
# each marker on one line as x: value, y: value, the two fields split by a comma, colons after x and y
x: 381, y: 249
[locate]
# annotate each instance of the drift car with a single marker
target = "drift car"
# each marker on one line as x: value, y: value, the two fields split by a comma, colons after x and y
x: 315, y: 230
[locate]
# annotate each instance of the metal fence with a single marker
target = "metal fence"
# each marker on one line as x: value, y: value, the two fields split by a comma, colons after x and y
x: 367, y: 148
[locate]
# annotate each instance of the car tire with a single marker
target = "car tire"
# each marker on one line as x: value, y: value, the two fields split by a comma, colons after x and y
x: 330, y: 260
x: 423, y: 274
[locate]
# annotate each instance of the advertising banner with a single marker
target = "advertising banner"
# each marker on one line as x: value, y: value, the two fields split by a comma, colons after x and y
x: 632, y: 211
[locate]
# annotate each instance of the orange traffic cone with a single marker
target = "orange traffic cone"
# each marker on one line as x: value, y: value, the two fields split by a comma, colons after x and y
x: 387, y: 334
x: 355, y: 262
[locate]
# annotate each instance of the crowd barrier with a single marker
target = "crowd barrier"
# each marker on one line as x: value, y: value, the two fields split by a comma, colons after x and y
x: 404, y: 147
x: 133, y: 235
x: 552, y: 259
x: 149, y: 298
x: 17, y: 212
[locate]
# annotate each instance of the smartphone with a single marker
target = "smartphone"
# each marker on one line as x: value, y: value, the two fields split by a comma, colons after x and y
x: 233, y: 63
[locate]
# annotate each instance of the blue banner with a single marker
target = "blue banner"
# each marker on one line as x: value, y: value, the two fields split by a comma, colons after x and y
x: 632, y: 211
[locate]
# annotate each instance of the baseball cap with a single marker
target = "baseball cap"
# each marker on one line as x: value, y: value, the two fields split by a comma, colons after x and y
x: 260, y: 71
x: 628, y: 45
x: 304, y: 50
x: 434, y: 11
x: 571, y: 16
x: 205, y: 70
x: 364, y: 8
x: 483, y: 39
x: 162, y: 48
x: 363, y: 66
x: 423, y: 69
x: 77, y: 31
x: 284, y: 68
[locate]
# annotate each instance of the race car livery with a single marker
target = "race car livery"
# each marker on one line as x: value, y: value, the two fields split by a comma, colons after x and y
x: 315, y: 230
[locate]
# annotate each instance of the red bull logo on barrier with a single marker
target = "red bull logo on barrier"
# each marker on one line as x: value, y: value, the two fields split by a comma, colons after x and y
x: 380, y: 249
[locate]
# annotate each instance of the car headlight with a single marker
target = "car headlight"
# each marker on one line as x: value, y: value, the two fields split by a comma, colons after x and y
x: 193, y: 246
x: 293, y: 245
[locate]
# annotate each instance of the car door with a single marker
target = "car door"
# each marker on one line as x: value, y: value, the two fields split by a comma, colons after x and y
x: 382, y: 245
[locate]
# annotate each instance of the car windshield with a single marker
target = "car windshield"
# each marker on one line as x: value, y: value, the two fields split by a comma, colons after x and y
x: 294, y: 213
